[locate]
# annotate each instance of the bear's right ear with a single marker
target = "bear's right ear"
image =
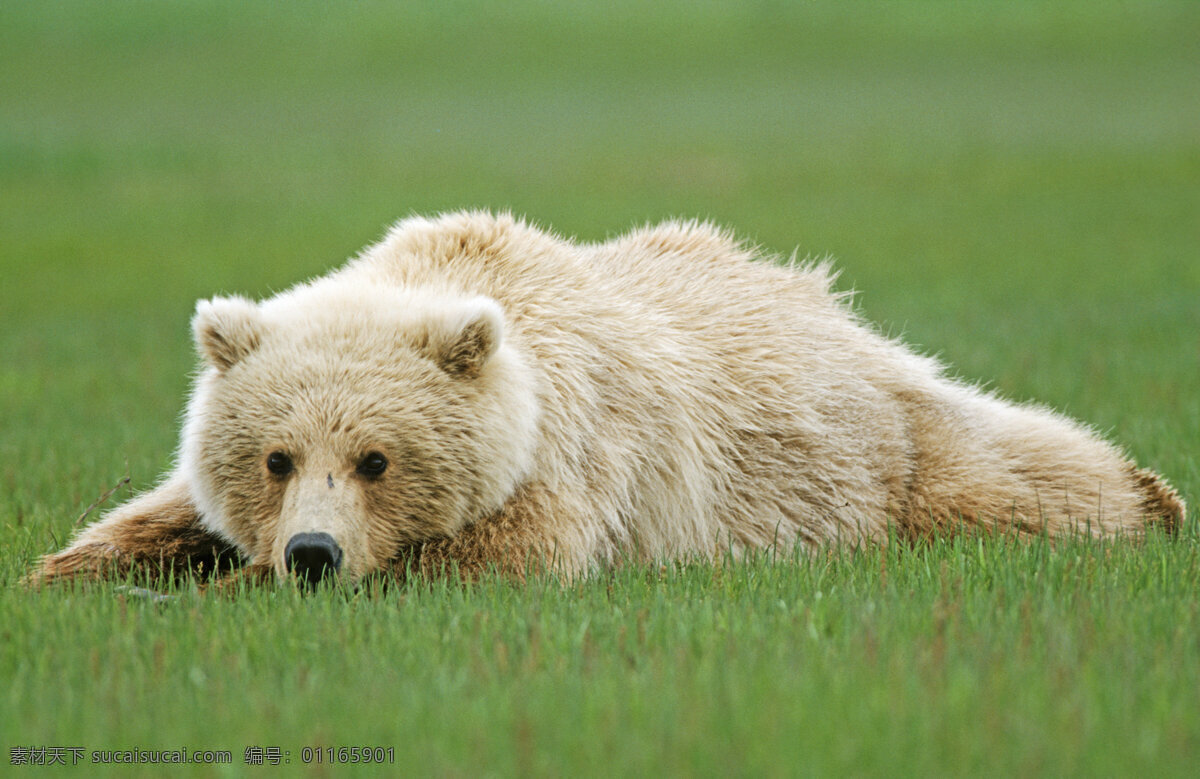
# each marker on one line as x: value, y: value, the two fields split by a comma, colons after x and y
x: 226, y: 330
x: 465, y: 337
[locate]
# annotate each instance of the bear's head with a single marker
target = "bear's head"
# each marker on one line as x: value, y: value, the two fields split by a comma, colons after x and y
x: 336, y: 424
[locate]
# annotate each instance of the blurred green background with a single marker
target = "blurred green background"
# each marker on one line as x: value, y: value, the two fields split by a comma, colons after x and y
x: 1014, y: 186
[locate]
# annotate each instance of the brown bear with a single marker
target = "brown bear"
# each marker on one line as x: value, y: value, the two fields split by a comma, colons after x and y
x: 474, y: 392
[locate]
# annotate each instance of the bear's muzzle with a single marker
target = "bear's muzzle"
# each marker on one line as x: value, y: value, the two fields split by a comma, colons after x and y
x: 313, y: 557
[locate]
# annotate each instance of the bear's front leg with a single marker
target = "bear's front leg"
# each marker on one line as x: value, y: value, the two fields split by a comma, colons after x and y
x: 517, y: 540
x: 158, y: 533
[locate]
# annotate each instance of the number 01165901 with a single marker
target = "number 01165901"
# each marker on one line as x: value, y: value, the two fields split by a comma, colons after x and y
x: 347, y: 755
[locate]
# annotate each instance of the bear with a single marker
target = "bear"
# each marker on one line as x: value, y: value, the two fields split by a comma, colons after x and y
x: 478, y: 394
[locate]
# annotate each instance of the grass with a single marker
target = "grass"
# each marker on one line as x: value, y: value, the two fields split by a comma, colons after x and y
x: 1013, y: 186
x: 964, y: 657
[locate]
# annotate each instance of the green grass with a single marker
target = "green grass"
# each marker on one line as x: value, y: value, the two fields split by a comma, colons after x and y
x: 969, y: 656
x: 1014, y: 186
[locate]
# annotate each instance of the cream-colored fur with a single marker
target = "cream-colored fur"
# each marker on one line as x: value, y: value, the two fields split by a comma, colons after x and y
x: 668, y: 393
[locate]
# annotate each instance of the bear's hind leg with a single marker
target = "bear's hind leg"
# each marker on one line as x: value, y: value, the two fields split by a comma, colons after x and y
x: 1161, y: 504
x: 158, y: 533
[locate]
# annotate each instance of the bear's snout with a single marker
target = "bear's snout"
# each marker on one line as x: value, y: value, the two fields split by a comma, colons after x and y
x: 313, y: 556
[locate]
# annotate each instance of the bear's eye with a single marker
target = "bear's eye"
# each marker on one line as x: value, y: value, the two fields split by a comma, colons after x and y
x: 279, y: 463
x: 374, y: 464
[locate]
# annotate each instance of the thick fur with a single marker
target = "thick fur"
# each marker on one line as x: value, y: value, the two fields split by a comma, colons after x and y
x: 665, y: 394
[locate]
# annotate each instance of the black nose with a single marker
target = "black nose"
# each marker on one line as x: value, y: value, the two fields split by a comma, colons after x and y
x: 313, y: 556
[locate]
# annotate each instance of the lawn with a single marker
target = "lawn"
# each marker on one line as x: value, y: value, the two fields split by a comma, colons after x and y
x: 1012, y: 186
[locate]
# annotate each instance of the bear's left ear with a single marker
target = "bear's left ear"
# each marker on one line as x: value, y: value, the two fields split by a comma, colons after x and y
x: 463, y: 341
x: 226, y: 330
